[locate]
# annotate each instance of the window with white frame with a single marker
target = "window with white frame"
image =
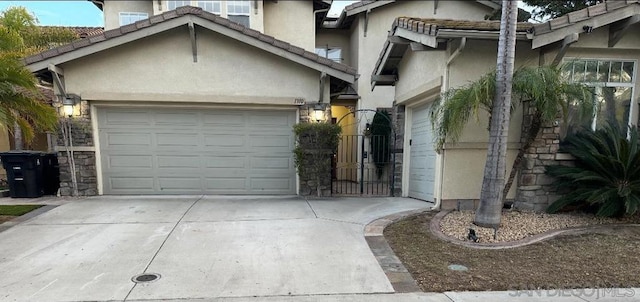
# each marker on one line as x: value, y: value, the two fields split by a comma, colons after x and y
x: 211, y: 6
x: 239, y: 11
x: 331, y: 53
x: 175, y: 4
x: 613, y: 83
x: 128, y: 18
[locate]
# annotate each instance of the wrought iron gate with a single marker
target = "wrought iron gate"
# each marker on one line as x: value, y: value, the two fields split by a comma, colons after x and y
x: 364, y: 163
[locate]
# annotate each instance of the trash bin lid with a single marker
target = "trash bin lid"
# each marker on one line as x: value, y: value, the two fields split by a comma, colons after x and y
x: 22, y: 152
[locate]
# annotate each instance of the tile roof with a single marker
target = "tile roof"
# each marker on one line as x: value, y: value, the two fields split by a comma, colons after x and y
x: 81, y: 31
x: 582, y: 15
x: 431, y: 26
x: 179, y: 12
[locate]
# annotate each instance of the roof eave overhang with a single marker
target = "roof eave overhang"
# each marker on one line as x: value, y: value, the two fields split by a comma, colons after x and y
x: 43, y: 65
x: 555, y: 34
x: 428, y: 41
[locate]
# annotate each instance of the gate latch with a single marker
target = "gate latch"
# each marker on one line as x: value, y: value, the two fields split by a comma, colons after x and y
x: 364, y: 155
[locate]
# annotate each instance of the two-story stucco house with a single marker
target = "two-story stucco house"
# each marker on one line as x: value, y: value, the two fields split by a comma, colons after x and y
x: 179, y: 99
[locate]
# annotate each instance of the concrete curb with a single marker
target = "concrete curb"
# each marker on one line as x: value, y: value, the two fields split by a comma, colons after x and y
x: 8, y: 224
x: 434, y: 227
x: 398, y: 275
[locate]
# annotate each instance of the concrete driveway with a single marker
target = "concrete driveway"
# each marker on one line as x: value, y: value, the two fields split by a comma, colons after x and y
x: 202, y: 246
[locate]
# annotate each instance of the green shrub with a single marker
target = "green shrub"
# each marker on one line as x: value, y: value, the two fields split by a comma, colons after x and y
x: 380, y: 141
x: 316, y: 144
x: 606, y: 176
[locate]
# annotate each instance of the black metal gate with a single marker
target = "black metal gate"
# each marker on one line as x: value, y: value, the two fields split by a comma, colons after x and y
x: 364, y: 163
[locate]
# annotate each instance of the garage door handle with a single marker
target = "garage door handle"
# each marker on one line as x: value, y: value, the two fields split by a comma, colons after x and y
x: 410, y: 141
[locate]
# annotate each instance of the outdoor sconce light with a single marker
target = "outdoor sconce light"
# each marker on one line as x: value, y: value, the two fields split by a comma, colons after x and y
x: 318, y: 110
x: 68, y: 104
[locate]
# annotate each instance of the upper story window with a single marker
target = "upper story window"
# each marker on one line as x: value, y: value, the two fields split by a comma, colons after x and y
x: 211, y: 6
x: 238, y: 11
x: 128, y: 18
x: 331, y: 53
x: 175, y: 4
x: 613, y: 83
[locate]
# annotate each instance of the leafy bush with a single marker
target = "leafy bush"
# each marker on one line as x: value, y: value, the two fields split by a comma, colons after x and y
x: 316, y: 144
x: 606, y: 176
x: 380, y: 141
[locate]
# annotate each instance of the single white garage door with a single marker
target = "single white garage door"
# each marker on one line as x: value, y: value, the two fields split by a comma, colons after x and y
x: 422, y: 165
x: 212, y: 151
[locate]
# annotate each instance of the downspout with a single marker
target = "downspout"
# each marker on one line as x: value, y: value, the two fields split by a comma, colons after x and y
x: 316, y: 12
x: 445, y: 87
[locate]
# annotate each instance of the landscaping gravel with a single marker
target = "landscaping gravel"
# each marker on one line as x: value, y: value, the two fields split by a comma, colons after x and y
x: 517, y: 225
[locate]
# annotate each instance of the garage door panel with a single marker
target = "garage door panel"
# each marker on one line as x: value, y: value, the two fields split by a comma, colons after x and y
x: 129, y: 161
x: 224, y: 162
x: 264, y: 162
x: 224, y: 140
x: 178, y: 161
x: 422, y: 155
x: 180, y: 184
x: 270, y: 184
x: 131, y: 183
x: 124, y: 118
x: 226, y: 119
x: 174, y: 119
x: 197, y: 151
x: 128, y: 139
x: 218, y: 184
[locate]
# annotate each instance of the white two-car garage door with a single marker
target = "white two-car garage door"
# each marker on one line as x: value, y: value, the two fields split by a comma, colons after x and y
x: 212, y: 151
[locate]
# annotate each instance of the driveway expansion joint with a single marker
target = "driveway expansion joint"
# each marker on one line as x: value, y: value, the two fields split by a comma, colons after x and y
x: 396, y: 272
x: 434, y: 227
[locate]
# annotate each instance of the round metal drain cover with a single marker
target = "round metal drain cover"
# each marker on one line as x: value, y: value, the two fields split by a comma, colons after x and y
x: 148, y: 277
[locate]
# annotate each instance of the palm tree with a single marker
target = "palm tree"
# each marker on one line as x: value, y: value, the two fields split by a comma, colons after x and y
x: 490, y: 208
x: 21, y: 112
x: 543, y: 87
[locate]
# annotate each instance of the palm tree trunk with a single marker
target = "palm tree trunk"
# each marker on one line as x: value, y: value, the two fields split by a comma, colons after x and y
x: 18, y: 143
x: 536, y: 124
x: 490, y: 209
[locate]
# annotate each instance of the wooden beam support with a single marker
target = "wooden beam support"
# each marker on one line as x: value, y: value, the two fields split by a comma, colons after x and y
x: 568, y: 40
x: 620, y: 28
x: 194, y: 45
x: 56, y: 72
x: 419, y: 47
x: 384, y: 78
x: 398, y: 40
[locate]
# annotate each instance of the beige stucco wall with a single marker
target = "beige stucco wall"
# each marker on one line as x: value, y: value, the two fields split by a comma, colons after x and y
x: 113, y: 8
x: 291, y: 21
x: 418, y: 68
x: 379, y: 24
x: 5, y: 145
x: 333, y: 39
x: 463, y: 163
x: 161, y: 68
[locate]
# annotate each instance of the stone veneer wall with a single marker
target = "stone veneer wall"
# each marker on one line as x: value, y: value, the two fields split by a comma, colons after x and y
x: 84, y: 155
x: 308, y: 186
x: 534, y: 190
x: 397, y: 114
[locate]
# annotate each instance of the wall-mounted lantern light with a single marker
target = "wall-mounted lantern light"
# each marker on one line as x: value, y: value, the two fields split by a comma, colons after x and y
x: 69, y: 103
x: 318, y: 110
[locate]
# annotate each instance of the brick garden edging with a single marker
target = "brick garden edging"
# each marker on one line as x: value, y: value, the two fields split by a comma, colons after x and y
x: 434, y: 227
x: 398, y: 275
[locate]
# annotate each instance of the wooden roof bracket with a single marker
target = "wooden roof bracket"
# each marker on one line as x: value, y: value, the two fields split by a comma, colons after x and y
x: 58, y: 78
x: 194, y: 44
x: 366, y: 21
x: 618, y: 29
x: 566, y: 43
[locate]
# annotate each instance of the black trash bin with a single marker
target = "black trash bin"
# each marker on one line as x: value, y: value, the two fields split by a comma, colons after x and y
x: 50, y: 173
x: 24, y: 173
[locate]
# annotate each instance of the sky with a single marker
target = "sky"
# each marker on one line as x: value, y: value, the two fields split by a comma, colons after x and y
x: 85, y: 13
